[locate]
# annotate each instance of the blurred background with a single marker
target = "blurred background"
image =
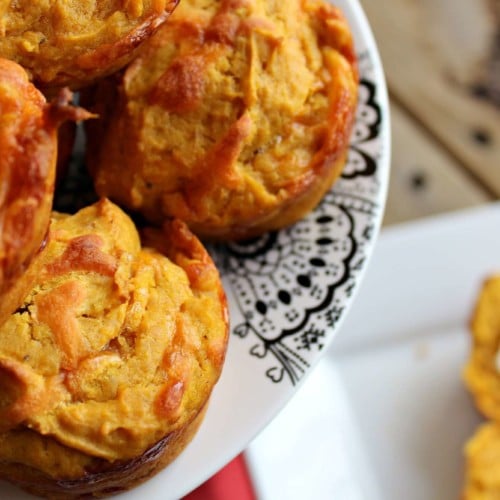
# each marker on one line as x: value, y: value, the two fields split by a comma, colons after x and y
x: 442, y: 64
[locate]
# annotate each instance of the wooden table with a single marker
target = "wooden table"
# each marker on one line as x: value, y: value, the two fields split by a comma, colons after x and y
x: 442, y: 63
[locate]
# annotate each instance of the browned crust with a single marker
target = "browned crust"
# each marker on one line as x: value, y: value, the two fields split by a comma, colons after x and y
x: 28, y: 143
x: 216, y: 174
x: 27, y: 174
x: 306, y: 192
x: 184, y: 249
x: 102, y: 477
x: 105, y: 479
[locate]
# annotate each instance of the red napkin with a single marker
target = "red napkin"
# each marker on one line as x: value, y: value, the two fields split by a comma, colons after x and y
x: 233, y: 481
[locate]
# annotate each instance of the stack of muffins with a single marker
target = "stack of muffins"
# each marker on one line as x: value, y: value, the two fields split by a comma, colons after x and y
x: 229, y: 119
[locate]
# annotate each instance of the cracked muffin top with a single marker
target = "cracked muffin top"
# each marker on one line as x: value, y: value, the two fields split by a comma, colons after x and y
x: 115, y: 347
x: 235, y: 117
x: 73, y: 42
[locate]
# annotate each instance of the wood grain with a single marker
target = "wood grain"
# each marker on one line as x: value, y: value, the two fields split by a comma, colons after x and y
x: 424, y: 179
x: 440, y: 59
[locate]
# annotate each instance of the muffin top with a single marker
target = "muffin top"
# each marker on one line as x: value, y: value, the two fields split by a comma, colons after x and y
x: 229, y: 113
x: 115, y: 347
x: 71, y: 42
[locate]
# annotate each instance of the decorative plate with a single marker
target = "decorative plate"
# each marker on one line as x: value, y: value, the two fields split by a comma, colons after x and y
x: 288, y: 291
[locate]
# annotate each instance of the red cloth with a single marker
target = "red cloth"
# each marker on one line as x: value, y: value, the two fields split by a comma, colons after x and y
x: 230, y: 483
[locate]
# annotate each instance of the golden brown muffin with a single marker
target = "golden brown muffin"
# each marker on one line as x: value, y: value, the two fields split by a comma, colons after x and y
x: 482, y: 479
x: 107, y: 367
x: 28, y: 145
x: 74, y: 42
x: 482, y: 372
x: 235, y: 118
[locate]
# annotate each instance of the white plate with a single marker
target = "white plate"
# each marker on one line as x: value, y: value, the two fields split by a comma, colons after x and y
x: 385, y: 415
x: 288, y: 291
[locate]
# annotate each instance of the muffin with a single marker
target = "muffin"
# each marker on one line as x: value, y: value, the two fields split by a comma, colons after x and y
x: 73, y: 42
x: 235, y: 117
x: 28, y: 142
x: 107, y: 366
x: 482, y: 372
x: 482, y: 480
